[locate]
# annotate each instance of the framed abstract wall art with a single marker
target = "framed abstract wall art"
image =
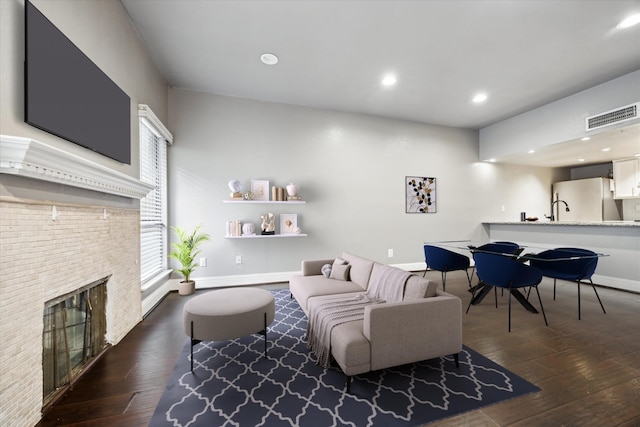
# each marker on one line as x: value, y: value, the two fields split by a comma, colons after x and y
x: 420, y: 194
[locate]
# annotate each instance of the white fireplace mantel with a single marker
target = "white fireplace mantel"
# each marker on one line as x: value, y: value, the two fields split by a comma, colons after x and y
x: 37, y: 160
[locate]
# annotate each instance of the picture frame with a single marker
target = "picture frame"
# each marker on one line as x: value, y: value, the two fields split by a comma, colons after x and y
x: 260, y: 189
x: 288, y: 223
x: 420, y: 194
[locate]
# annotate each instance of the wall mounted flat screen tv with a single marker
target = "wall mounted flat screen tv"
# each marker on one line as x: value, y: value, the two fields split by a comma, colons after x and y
x: 67, y: 95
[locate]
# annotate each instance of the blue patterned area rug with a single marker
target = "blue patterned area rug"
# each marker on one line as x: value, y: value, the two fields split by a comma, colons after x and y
x: 233, y: 384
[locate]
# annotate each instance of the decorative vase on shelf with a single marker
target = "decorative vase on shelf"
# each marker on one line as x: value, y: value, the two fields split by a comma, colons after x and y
x: 292, y: 191
x: 248, y: 229
x: 236, y: 187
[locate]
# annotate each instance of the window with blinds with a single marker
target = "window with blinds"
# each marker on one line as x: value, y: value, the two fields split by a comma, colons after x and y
x: 153, y: 207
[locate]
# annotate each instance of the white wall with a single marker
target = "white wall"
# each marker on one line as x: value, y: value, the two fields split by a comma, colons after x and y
x: 350, y: 169
x: 559, y: 121
x: 103, y: 31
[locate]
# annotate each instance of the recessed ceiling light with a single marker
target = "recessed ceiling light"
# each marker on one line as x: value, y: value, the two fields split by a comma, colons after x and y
x: 581, y: 160
x: 531, y: 151
x: 269, y: 59
x: 389, y: 80
x: 606, y: 149
x: 629, y: 21
x: 492, y: 160
x: 586, y: 138
x: 479, y: 98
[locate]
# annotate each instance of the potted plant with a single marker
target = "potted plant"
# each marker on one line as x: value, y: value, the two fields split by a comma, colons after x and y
x: 185, y: 250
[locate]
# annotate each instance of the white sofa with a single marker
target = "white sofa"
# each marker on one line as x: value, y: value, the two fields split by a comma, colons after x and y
x: 427, y: 323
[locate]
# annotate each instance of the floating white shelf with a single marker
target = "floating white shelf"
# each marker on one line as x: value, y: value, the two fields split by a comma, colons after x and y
x: 260, y: 236
x: 266, y: 202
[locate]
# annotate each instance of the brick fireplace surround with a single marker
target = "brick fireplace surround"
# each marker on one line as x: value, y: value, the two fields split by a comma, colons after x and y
x: 50, y: 248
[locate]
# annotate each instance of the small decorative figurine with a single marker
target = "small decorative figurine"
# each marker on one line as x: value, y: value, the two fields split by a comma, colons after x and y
x: 268, y: 224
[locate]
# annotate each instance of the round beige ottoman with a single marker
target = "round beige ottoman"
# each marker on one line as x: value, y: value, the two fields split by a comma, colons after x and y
x: 227, y: 314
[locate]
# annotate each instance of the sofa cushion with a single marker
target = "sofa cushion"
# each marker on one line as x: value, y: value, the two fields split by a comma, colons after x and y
x: 305, y: 287
x: 360, y: 269
x: 418, y: 288
x: 326, y: 270
x: 340, y: 272
x: 339, y: 261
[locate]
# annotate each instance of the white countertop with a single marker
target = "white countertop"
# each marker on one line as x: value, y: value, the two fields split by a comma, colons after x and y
x: 571, y: 223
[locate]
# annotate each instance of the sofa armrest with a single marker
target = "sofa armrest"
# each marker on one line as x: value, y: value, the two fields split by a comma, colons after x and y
x: 313, y: 267
x: 410, y: 331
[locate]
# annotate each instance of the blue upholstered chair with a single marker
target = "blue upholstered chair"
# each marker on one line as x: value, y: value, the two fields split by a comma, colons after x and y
x: 571, y: 264
x: 506, y: 272
x: 503, y: 248
x: 444, y: 260
x: 500, y: 248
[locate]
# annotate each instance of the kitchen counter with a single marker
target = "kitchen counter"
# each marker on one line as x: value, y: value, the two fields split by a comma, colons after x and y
x: 572, y: 223
x: 620, y: 240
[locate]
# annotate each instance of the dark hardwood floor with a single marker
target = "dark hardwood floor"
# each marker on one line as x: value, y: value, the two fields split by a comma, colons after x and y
x: 588, y: 370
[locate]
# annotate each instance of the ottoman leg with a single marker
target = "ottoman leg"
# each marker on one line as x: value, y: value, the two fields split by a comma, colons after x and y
x: 265, y: 334
x: 193, y: 342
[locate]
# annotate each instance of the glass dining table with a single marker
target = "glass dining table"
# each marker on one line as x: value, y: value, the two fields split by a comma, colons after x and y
x: 523, y: 253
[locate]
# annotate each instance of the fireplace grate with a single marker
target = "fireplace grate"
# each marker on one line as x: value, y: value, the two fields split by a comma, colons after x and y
x: 74, y: 332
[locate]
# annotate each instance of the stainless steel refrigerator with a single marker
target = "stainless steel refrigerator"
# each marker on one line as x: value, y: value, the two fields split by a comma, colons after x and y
x: 588, y: 199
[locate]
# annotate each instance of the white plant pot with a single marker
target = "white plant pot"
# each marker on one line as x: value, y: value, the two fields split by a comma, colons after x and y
x: 186, y: 288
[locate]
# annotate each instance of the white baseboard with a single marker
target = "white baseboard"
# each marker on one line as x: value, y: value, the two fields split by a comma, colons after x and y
x: 262, y: 278
x: 411, y: 266
x: 156, y: 296
x: 237, y: 280
x: 617, y: 283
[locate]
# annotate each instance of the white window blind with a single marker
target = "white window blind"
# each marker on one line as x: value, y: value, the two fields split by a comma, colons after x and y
x: 153, y: 207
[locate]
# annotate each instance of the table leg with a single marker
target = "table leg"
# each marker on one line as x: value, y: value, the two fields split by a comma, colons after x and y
x: 484, y: 290
x: 523, y: 300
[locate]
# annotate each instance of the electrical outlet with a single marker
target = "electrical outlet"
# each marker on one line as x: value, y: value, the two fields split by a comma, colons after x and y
x: 238, y: 259
x: 390, y: 253
x: 203, y: 262
x: 502, y: 208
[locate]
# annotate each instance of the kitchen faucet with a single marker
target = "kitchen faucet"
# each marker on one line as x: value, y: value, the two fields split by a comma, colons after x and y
x: 552, y: 217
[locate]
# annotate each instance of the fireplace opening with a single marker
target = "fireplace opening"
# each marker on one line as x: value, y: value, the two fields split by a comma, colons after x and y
x: 75, y: 327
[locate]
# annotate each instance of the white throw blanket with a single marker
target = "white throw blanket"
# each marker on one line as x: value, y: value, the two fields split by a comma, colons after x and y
x: 327, y: 312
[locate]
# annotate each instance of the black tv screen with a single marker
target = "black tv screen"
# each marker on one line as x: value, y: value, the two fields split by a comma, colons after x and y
x: 67, y: 95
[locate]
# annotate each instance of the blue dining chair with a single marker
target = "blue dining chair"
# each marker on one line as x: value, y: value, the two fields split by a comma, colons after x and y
x: 500, y: 247
x: 506, y: 272
x: 444, y: 260
x: 504, y: 247
x: 571, y: 264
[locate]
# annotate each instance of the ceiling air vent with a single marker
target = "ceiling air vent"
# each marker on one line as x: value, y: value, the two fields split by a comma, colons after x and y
x: 618, y: 115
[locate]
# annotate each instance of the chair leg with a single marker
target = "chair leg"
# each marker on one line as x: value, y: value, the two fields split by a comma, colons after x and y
x: 466, y: 270
x: 456, y: 358
x: 509, y: 309
x: 541, y: 306
x: 554, y: 289
x: 579, y: 313
x: 444, y: 281
x: 473, y: 294
x: 598, y: 296
x: 495, y: 293
x: 349, y: 378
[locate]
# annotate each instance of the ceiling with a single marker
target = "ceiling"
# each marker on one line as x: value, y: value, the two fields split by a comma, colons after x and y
x: 333, y: 55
